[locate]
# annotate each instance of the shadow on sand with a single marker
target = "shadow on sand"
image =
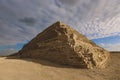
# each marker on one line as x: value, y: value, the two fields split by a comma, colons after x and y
x: 43, y: 62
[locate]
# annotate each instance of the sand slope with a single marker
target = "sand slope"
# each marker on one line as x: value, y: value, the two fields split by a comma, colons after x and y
x: 16, y: 69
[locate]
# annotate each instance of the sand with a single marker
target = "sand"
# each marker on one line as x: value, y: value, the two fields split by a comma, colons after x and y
x: 29, y: 69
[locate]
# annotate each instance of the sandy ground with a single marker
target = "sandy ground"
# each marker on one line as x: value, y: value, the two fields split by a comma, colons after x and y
x: 27, y: 69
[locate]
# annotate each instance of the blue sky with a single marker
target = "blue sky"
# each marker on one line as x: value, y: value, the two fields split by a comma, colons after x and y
x: 22, y: 20
x: 111, y: 43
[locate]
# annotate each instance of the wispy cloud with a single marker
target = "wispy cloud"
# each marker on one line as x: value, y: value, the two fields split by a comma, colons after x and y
x: 111, y: 47
x: 7, y: 52
x: 21, y: 20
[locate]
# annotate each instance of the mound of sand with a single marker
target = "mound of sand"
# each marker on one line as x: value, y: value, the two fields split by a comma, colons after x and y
x: 61, y: 44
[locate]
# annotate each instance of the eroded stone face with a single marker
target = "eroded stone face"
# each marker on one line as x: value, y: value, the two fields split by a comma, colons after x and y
x: 61, y: 44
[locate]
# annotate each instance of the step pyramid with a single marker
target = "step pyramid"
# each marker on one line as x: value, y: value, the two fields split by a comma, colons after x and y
x: 61, y: 44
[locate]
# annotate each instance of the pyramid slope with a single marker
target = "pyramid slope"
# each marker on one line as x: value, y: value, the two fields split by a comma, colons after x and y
x: 61, y: 44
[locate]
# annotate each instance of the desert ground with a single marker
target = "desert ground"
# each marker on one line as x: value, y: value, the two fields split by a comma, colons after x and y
x: 30, y: 69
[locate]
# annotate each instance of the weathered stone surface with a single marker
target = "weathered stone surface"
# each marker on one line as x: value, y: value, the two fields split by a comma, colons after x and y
x: 61, y: 44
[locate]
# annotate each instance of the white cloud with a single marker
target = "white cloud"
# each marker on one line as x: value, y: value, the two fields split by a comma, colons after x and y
x: 98, y: 29
x: 7, y: 52
x: 93, y: 18
x: 111, y: 47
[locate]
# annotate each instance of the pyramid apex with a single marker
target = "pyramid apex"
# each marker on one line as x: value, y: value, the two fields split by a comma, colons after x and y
x: 60, y: 23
